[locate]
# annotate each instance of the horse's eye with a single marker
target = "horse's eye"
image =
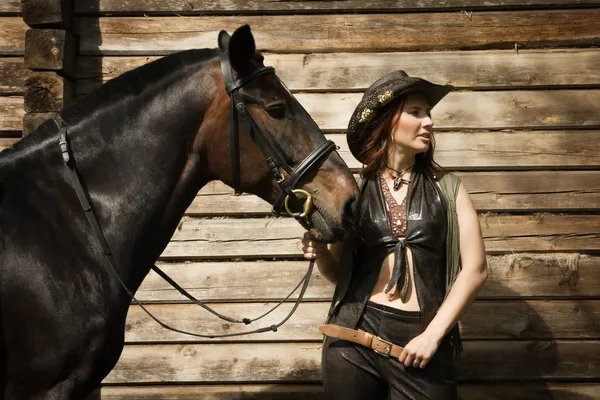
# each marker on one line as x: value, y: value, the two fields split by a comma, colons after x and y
x: 276, y: 110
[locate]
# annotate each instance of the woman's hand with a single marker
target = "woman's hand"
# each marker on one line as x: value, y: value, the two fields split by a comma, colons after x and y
x: 419, y: 350
x: 313, y: 249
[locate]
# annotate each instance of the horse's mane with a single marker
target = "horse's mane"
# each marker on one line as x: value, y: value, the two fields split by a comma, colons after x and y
x: 137, y: 80
x: 125, y: 86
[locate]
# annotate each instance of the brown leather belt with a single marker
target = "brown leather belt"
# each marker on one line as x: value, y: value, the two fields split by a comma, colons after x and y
x: 363, y: 338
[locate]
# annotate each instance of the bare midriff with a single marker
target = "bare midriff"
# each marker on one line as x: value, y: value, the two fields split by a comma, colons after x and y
x: 396, y: 207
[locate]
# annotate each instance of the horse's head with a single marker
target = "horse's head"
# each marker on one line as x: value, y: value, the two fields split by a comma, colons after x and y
x: 281, y: 130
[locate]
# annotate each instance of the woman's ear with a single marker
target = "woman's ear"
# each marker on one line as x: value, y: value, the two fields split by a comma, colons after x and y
x: 241, y: 49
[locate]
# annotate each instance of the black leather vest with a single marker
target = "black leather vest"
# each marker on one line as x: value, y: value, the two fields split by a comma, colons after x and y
x: 426, y: 226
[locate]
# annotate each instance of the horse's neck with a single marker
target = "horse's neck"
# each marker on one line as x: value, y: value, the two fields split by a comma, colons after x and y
x: 136, y: 162
x: 144, y: 177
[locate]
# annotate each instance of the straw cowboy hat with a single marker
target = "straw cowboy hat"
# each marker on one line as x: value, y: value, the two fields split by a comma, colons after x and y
x: 382, y: 92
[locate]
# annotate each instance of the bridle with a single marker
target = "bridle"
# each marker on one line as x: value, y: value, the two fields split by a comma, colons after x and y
x: 275, y: 163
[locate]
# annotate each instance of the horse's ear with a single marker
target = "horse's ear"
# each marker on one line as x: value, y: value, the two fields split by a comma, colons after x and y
x: 241, y: 49
x: 224, y: 40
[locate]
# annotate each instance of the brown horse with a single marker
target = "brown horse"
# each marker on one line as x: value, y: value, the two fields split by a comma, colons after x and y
x: 142, y: 145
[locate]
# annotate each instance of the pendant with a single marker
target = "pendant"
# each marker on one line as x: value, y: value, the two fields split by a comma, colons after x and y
x: 397, y: 182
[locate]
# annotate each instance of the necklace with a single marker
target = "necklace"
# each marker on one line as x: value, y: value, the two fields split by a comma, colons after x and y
x: 398, y: 181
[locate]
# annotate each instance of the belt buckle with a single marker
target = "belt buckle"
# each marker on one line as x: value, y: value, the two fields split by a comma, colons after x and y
x: 388, y: 348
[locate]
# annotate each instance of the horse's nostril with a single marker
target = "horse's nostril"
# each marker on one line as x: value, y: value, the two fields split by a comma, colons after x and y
x: 348, y: 211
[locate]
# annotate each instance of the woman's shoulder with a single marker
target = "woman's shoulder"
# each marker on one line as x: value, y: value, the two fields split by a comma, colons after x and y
x: 446, y: 177
x: 449, y: 184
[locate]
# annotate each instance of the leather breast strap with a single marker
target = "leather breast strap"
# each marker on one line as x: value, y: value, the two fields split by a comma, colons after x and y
x: 363, y: 338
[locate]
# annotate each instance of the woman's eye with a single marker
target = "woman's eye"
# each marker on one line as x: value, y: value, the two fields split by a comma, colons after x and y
x: 276, y: 111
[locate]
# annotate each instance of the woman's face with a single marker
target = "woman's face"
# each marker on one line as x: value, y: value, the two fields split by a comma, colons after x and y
x: 412, y: 127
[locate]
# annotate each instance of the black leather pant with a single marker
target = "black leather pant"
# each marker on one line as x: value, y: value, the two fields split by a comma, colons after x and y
x: 352, y: 371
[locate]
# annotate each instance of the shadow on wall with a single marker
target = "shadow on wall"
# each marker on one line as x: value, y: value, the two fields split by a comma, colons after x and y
x: 89, y: 47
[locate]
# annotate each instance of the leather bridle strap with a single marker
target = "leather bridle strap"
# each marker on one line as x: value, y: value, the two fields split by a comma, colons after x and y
x: 274, y: 160
x: 101, y: 239
x: 313, y: 158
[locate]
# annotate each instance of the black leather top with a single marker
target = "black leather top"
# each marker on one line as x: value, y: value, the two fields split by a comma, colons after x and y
x: 425, y: 236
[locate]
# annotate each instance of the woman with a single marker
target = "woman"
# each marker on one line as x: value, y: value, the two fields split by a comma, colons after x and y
x: 415, y: 264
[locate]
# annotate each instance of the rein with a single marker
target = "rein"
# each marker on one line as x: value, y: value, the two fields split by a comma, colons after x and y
x: 275, y: 162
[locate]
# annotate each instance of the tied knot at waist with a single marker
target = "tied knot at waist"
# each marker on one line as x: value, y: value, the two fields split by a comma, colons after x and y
x: 400, y: 270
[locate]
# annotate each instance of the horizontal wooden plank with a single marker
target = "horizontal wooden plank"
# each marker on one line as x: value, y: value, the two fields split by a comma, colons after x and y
x: 351, y: 32
x: 301, y: 362
x: 253, y: 6
x: 267, y: 237
x: 11, y: 113
x: 532, y: 319
x: 351, y: 71
x: 529, y: 391
x: 486, y: 319
x: 466, y: 391
x: 12, y: 74
x: 12, y: 36
x: 464, y: 150
x: 551, y: 109
x: 533, y: 190
x: 10, y: 6
x: 490, y: 191
x: 510, y: 276
x: 477, y: 110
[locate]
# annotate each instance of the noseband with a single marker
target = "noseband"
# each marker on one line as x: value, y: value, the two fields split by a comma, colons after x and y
x: 275, y: 161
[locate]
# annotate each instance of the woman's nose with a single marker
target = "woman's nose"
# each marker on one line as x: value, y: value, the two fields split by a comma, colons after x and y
x: 427, y: 122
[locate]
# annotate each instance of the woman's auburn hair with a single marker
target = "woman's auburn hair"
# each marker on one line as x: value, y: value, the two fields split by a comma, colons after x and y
x: 376, y: 137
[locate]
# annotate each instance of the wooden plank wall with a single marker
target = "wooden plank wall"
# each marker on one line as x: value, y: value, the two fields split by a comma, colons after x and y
x: 522, y: 130
x: 12, y: 72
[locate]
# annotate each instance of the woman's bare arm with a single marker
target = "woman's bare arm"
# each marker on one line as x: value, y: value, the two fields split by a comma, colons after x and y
x: 473, y: 274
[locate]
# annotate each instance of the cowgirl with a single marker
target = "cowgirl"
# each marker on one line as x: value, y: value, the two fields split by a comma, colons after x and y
x: 415, y: 264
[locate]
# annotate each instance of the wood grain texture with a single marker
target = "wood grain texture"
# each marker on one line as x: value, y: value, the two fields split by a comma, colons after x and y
x: 490, y: 192
x: 12, y: 74
x: 11, y: 113
x: 497, y: 319
x: 253, y: 6
x: 507, y: 150
x: 31, y: 121
x: 260, y: 238
x: 48, y: 13
x: 356, y: 71
x: 351, y: 32
x: 12, y: 36
x: 480, y: 150
x: 466, y: 391
x: 7, y: 142
x: 301, y: 362
x: 527, y: 109
x: 477, y: 110
x: 47, y: 92
x: 510, y: 277
x: 10, y: 7
x: 50, y: 49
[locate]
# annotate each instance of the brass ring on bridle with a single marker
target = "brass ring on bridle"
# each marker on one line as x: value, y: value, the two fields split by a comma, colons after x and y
x: 308, y: 204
